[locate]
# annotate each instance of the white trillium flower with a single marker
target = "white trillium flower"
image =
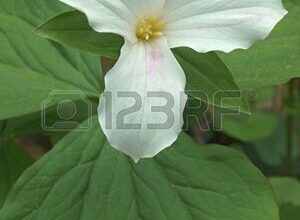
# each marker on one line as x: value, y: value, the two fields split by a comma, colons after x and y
x: 148, y: 68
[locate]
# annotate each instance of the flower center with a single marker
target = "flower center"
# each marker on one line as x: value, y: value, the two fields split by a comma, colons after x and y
x: 149, y: 28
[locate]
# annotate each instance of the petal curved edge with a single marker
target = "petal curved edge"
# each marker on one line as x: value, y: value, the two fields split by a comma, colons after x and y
x: 107, y: 16
x: 220, y: 25
x: 141, y: 110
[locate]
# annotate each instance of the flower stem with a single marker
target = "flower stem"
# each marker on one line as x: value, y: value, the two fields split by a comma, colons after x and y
x: 107, y: 64
x: 290, y: 126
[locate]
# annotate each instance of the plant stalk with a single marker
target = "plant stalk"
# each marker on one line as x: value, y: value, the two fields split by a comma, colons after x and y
x: 290, y: 119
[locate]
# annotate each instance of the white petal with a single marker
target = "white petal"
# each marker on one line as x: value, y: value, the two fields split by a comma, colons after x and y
x: 144, y: 68
x: 146, y: 8
x: 107, y: 16
x: 225, y: 25
x: 117, y: 16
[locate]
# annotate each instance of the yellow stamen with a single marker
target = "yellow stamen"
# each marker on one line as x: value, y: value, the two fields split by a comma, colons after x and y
x: 149, y: 28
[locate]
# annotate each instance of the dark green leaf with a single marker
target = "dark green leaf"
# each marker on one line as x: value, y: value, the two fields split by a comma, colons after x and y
x: 72, y: 29
x: 32, y: 69
x: 22, y: 48
x: 84, y: 178
x: 32, y: 11
x: 210, y: 80
x: 28, y: 92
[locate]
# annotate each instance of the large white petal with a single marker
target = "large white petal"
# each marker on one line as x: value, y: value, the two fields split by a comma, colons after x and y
x: 225, y: 25
x: 146, y: 8
x: 144, y: 68
x: 107, y: 16
x: 117, y: 16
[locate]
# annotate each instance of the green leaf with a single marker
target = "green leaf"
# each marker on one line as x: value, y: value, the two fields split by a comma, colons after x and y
x: 66, y: 63
x: 206, y: 73
x: 96, y: 182
x: 32, y: 11
x: 209, y: 80
x: 19, y: 50
x: 272, y: 61
x: 13, y: 161
x: 41, y: 69
x: 250, y: 127
x: 72, y: 29
x: 30, y: 90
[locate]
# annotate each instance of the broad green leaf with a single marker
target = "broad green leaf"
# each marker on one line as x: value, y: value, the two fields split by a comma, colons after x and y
x: 32, y: 11
x: 250, y: 127
x: 272, y: 61
x: 206, y: 73
x: 13, y: 161
x: 265, y: 94
x: 18, y: 49
x: 96, y: 182
x: 45, y: 70
x: 210, y: 80
x: 71, y: 28
x: 24, y: 91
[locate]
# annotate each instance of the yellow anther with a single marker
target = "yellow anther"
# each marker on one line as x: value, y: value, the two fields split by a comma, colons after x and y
x: 147, y: 37
x: 149, y: 28
x: 159, y: 25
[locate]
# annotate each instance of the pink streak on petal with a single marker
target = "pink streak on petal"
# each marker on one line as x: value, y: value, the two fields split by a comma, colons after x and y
x: 155, y: 57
